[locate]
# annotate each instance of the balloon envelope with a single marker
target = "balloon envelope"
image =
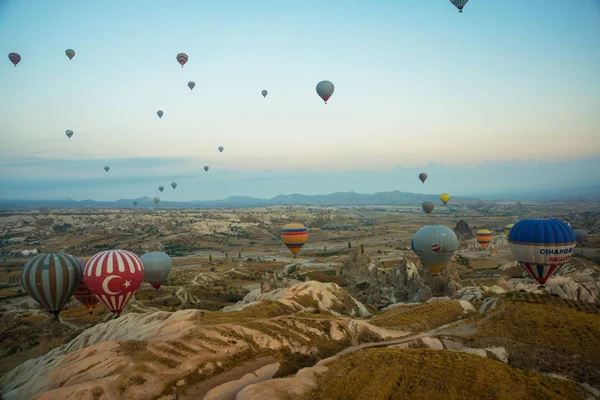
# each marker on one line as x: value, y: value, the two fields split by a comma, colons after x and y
x: 294, y: 236
x: 106, y: 168
x: 157, y: 267
x: 182, y: 59
x: 161, y: 188
x: 435, y: 245
x: 507, y: 229
x: 445, y: 198
x: 174, y: 185
x: 191, y: 85
x: 82, y: 293
x: 14, y: 58
x: 69, y: 133
x: 70, y: 53
x: 428, y: 207
x: 459, y: 4
x: 484, y: 237
x: 113, y: 276
x: 206, y: 168
x: 542, y: 246
x: 156, y: 200
x: 264, y: 93
x: 580, y: 236
x: 423, y: 177
x: 221, y: 148
x: 325, y: 90
x: 159, y: 113
x: 51, y: 279
x: 135, y: 203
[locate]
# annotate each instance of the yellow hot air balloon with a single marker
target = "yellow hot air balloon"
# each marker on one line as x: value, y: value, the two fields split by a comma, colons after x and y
x: 294, y: 236
x: 484, y: 237
x: 507, y: 229
x: 445, y: 198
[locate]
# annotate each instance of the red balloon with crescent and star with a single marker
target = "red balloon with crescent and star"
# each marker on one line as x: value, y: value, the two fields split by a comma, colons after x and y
x: 113, y: 276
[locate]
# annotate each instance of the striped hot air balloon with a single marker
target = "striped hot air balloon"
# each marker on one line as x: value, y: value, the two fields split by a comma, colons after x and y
x: 82, y: 293
x: 542, y: 246
x: 14, y: 58
x: 459, y: 4
x: 182, y: 59
x: 507, y: 229
x: 51, y: 279
x: 484, y: 237
x: 428, y: 207
x: 294, y: 236
x: 113, y: 276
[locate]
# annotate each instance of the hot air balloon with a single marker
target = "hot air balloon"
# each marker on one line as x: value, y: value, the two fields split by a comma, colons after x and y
x: 51, y: 279
x: 484, y: 237
x: 106, y: 168
x: 325, y: 90
x: 113, y: 276
x: 221, y: 149
x: 206, y: 168
x: 580, y: 236
x: 161, y: 188
x: 157, y: 266
x: 423, y: 177
x: 264, y: 93
x: 70, y: 53
x: 459, y: 4
x: 82, y: 293
x: 159, y: 113
x: 294, y: 236
x: 445, y: 198
x: 542, y: 246
x: 135, y: 203
x: 14, y: 58
x: 156, y: 200
x: 191, y: 85
x: 435, y: 245
x: 507, y: 229
x: 174, y: 185
x: 428, y: 207
x: 69, y: 133
x: 182, y: 59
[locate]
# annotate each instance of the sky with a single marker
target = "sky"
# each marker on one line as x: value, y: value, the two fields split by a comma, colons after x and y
x: 502, y: 97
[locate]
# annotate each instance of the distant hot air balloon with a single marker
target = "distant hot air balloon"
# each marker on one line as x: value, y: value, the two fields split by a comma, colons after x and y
x: 69, y: 133
x: 445, y: 198
x: 161, y: 188
x: 51, y: 279
x: 507, y: 229
x: 159, y: 113
x: 542, y: 246
x: 484, y: 237
x: 106, y: 168
x: 191, y: 85
x: 294, y: 236
x: 206, y: 168
x: 113, y: 276
x: 423, y: 177
x: 82, y: 293
x: 14, y: 58
x: 580, y: 236
x: 157, y: 267
x: 264, y: 93
x: 459, y: 4
x: 70, y: 53
x: 221, y: 148
x: 135, y: 203
x: 156, y: 200
x: 182, y: 59
x: 174, y: 185
x: 435, y: 245
x: 428, y: 207
x: 325, y: 90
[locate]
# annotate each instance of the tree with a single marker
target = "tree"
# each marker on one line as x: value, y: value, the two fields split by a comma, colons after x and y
x: 349, y: 245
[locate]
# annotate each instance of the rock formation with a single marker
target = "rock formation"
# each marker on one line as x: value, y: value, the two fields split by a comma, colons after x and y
x: 463, y: 231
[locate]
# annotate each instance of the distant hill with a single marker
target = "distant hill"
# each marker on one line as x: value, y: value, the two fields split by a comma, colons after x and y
x: 334, y: 199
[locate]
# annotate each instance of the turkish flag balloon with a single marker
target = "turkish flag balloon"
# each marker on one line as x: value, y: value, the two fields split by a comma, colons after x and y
x: 113, y: 276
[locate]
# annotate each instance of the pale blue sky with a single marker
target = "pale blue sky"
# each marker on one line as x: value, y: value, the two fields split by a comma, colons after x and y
x: 415, y: 82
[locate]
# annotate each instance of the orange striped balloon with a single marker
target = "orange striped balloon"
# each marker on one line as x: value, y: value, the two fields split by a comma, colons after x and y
x: 294, y: 236
x: 484, y: 237
x: 182, y: 59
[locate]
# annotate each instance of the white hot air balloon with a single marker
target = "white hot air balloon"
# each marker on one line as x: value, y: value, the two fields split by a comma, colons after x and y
x: 157, y: 267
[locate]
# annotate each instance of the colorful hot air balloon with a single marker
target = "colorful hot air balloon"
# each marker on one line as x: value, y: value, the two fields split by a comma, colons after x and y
x: 191, y: 85
x: 428, y: 207
x: 82, y: 293
x: 507, y: 229
x: 264, y: 93
x: 221, y: 149
x: 459, y: 4
x: 435, y: 245
x: 135, y: 203
x: 445, y: 198
x: 106, y: 168
x: 174, y: 185
x: 206, y: 168
x: 484, y: 237
x: 14, y: 58
x: 325, y: 90
x: 161, y: 188
x: 542, y: 246
x: 113, y: 276
x: 70, y: 53
x: 580, y: 236
x: 294, y: 236
x: 423, y: 177
x: 51, y: 279
x: 182, y: 59
x: 156, y: 200
x: 69, y: 133
x: 159, y: 113
x: 157, y: 267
